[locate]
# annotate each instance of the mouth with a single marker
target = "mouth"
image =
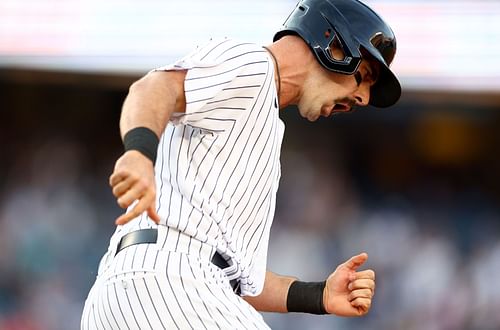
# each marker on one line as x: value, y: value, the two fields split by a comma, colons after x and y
x: 337, y: 108
x: 341, y: 108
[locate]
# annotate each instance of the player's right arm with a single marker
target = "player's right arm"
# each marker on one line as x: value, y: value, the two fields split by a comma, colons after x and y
x: 149, y: 103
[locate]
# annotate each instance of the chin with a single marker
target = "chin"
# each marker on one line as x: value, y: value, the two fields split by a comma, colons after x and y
x: 311, y: 115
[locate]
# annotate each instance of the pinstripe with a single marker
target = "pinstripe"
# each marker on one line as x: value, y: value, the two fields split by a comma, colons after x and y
x: 198, y: 167
x: 251, y: 152
x: 224, y: 62
x: 203, y: 300
x: 208, y: 230
x: 165, y: 303
x: 185, y: 292
x: 233, y: 47
x: 243, y: 54
x: 170, y: 175
x: 131, y: 308
x: 199, y: 100
x: 199, y: 222
x: 241, y: 87
x: 245, y: 170
x: 177, y: 171
x: 207, y: 129
x: 120, y: 307
x: 156, y: 259
x: 221, y: 302
x: 245, y: 223
x: 230, y: 153
x: 265, y: 221
x: 153, y: 303
x: 202, y: 48
x: 248, y: 246
x: 180, y: 213
x: 216, y: 157
x: 223, y: 72
x: 192, y: 155
x: 209, y: 86
x: 133, y: 257
x: 124, y: 258
x: 93, y: 315
x: 100, y: 303
x: 177, y: 234
x: 251, y: 75
x: 251, y: 212
x: 255, y: 187
x: 109, y: 307
x: 165, y: 240
x: 220, y: 119
x: 247, y: 220
x: 212, y: 109
x: 262, y: 172
x: 162, y: 162
x: 178, y: 157
x: 229, y: 99
x: 211, y: 50
x: 259, y: 225
x: 189, y: 144
x: 140, y: 304
x: 244, y: 311
x: 145, y: 255
x: 175, y: 296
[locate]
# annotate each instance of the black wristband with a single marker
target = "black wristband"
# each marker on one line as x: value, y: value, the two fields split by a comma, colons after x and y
x: 143, y: 140
x: 306, y: 297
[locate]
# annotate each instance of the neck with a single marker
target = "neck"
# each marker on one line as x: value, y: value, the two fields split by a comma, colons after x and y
x: 291, y: 55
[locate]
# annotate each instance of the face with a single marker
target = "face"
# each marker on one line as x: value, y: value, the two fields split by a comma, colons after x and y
x: 326, y: 93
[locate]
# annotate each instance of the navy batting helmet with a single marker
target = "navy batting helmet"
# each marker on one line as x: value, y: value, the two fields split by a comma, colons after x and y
x: 352, y: 26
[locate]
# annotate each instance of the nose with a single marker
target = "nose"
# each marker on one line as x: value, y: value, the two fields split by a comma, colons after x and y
x: 362, y: 94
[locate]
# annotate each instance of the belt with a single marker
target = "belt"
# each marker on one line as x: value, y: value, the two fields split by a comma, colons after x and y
x: 150, y: 235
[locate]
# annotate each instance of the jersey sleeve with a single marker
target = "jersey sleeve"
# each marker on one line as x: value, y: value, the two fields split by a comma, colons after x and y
x: 223, y: 80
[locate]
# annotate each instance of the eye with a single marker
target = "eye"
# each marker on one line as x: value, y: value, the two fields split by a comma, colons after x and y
x: 373, y: 72
x: 358, y: 78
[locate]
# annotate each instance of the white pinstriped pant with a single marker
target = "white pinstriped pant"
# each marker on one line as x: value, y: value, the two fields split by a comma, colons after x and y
x: 144, y: 287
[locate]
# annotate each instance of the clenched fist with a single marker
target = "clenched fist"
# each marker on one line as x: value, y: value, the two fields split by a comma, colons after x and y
x: 349, y: 292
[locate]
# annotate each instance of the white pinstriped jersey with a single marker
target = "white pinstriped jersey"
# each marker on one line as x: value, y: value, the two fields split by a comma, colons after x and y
x: 218, y: 166
x: 217, y: 174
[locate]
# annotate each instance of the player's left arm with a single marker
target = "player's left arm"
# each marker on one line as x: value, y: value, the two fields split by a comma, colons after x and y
x: 347, y: 292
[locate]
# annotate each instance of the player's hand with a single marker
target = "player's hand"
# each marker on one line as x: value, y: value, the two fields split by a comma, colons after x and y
x: 349, y: 292
x: 133, y: 179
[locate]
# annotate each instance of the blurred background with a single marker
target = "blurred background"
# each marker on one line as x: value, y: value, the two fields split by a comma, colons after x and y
x: 417, y: 186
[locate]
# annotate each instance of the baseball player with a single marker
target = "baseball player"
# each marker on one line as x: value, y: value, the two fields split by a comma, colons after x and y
x: 200, y: 173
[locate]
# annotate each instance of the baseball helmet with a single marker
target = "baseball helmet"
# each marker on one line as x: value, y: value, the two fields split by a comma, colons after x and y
x: 352, y: 26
